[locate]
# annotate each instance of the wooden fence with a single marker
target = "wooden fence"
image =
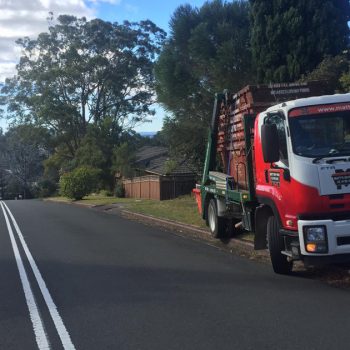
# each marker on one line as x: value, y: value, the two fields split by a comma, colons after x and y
x: 158, y: 187
x: 147, y: 187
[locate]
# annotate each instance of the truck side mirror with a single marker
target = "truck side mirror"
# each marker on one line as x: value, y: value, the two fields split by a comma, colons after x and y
x: 270, y: 143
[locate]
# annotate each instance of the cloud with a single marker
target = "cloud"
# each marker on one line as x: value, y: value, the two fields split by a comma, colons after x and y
x: 7, y: 69
x: 20, y: 18
x: 113, y: 2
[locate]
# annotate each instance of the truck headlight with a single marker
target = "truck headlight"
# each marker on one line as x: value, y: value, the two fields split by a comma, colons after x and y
x: 315, y: 238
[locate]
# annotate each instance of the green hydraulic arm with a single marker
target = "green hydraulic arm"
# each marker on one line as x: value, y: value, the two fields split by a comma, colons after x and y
x: 210, y: 156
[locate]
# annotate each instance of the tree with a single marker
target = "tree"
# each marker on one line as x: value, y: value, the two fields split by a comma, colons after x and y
x: 343, y: 68
x: 291, y: 37
x: 124, y: 159
x: 345, y: 81
x: 82, y: 73
x: 185, y: 137
x: 334, y: 70
x: 24, y: 150
x: 207, y: 51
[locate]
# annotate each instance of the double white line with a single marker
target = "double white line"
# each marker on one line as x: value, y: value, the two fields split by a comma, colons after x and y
x: 38, y: 325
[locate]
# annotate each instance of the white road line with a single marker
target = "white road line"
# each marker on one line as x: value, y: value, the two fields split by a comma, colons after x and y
x: 39, y: 331
x: 57, y: 320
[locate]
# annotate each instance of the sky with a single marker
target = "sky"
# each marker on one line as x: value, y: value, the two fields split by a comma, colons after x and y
x: 19, y: 18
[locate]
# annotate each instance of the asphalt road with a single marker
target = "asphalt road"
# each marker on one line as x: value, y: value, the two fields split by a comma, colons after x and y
x: 98, y: 281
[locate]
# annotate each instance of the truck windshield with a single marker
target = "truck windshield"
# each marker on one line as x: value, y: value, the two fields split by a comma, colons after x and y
x: 321, y: 135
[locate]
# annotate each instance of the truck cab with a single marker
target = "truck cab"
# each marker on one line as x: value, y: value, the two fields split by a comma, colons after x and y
x: 302, y: 162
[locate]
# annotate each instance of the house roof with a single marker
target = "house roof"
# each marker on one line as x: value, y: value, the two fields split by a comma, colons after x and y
x: 154, y: 160
x: 146, y: 153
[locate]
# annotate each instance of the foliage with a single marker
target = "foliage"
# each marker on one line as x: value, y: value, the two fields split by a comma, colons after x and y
x: 290, y: 38
x: 123, y: 160
x: 79, y: 182
x: 24, y: 148
x: 119, y: 190
x: 345, y: 77
x: 332, y: 69
x: 87, y: 82
x: 207, y: 51
x: 185, y: 137
x: 96, y: 149
x: 46, y: 188
x: 105, y: 193
x: 170, y: 165
x: 14, y: 188
x: 345, y: 81
x: 57, y: 164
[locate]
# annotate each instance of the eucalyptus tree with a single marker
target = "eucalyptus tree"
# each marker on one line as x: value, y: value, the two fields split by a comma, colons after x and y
x: 81, y: 73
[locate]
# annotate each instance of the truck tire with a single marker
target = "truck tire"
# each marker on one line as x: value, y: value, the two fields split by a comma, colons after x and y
x: 217, y: 224
x: 280, y: 263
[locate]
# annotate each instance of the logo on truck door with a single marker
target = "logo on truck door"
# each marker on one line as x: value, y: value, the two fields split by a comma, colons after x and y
x: 341, y: 178
x: 334, y: 179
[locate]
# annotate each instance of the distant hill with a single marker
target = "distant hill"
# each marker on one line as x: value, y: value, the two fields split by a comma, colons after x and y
x: 147, y: 133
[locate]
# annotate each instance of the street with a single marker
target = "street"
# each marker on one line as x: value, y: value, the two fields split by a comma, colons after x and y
x: 77, y: 278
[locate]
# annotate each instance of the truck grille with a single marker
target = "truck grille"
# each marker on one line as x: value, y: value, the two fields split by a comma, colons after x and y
x: 336, y: 196
x: 343, y: 240
x: 337, y: 206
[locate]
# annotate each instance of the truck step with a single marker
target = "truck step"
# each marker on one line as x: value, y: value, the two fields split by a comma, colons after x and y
x: 288, y: 253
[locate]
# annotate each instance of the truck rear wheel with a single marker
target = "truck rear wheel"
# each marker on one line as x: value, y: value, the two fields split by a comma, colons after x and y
x: 280, y: 263
x: 217, y: 224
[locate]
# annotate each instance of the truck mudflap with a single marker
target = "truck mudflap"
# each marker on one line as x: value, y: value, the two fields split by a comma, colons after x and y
x: 324, y: 238
x: 197, y: 194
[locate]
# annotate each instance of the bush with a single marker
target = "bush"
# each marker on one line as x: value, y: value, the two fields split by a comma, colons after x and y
x: 119, y: 190
x: 106, y: 193
x: 79, y: 182
x: 46, y: 188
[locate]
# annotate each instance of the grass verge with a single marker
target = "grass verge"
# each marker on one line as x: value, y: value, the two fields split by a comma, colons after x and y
x: 93, y: 200
x: 182, y: 209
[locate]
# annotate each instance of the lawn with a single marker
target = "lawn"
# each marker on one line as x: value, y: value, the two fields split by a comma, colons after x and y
x: 182, y: 209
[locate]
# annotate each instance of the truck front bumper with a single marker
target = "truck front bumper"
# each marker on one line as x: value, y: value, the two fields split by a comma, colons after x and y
x: 325, y: 260
x: 338, y: 238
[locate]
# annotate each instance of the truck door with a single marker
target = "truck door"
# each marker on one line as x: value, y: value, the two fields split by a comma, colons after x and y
x: 277, y: 175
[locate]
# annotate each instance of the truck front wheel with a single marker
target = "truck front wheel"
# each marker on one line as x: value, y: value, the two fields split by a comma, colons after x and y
x: 280, y: 263
x: 217, y: 224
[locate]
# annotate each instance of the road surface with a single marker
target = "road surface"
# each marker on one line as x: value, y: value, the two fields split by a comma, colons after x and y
x: 77, y: 278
